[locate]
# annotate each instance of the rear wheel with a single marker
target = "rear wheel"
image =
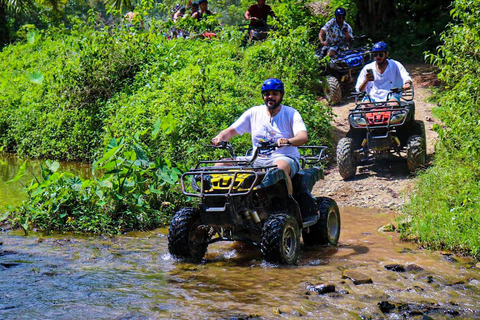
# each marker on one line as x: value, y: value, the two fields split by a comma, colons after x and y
x: 187, y: 236
x: 327, y: 229
x: 347, y: 165
x: 332, y: 90
x: 281, y: 239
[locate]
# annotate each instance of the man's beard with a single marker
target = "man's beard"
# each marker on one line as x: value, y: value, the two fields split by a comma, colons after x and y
x: 274, y: 106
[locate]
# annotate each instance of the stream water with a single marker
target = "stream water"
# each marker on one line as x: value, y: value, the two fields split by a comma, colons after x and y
x: 370, y: 275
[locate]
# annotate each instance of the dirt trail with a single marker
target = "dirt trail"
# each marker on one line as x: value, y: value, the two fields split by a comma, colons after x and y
x: 384, y: 184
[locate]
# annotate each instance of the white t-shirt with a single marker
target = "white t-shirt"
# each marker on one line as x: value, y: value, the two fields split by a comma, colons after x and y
x: 285, y: 124
x: 394, y: 76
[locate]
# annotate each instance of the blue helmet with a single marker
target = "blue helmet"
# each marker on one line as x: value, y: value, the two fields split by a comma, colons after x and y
x: 273, y: 84
x: 340, y: 12
x: 202, y: 1
x: 380, y: 46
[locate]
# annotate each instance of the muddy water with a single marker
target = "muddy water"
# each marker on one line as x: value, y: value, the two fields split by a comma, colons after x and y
x: 11, y: 193
x: 134, y: 277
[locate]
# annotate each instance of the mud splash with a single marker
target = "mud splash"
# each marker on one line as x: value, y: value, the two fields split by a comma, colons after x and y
x: 370, y: 275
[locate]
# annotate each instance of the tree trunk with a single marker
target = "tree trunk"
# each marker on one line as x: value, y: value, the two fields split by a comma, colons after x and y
x: 4, y: 32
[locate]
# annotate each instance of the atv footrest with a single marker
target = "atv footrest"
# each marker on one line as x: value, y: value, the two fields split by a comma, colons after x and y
x: 309, y: 221
x: 215, y: 209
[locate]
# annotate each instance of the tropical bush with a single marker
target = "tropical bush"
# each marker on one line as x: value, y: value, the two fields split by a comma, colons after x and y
x: 445, y: 210
x: 129, y: 190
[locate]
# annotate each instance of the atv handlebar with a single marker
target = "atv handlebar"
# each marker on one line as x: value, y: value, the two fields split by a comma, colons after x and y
x: 407, y: 95
x: 223, y: 145
x: 311, y: 157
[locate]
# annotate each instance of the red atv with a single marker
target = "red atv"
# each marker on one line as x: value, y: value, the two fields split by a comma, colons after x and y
x: 380, y: 130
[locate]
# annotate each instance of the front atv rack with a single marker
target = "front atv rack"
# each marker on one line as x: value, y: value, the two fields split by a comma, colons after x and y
x: 226, y: 181
x: 239, y: 179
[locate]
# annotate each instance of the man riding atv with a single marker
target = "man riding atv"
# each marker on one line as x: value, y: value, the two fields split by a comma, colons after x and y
x: 272, y: 122
x: 336, y: 34
x: 379, y: 77
x: 264, y: 199
x: 258, y: 14
x: 383, y: 123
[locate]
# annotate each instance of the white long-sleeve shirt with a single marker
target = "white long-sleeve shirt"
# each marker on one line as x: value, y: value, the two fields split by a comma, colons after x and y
x: 394, y: 76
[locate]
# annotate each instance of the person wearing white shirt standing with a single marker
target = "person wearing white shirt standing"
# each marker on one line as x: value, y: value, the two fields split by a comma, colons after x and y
x: 379, y: 77
x: 272, y: 122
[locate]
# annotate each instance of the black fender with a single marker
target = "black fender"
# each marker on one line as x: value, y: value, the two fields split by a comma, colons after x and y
x: 303, y: 183
x: 275, y: 185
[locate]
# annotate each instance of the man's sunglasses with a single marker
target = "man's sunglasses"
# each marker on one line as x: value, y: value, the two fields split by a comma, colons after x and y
x: 381, y: 54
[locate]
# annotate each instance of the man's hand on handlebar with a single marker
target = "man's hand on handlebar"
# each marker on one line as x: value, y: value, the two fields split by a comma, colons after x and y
x: 407, y: 85
x: 216, y: 141
x: 283, y: 142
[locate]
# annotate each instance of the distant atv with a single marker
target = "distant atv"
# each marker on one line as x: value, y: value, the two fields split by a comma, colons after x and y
x: 381, y: 129
x: 252, y: 204
x: 342, y: 70
x: 257, y: 33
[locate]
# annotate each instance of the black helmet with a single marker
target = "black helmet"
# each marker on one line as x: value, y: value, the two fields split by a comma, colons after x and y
x: 202, y: 1
x: 340, y: 12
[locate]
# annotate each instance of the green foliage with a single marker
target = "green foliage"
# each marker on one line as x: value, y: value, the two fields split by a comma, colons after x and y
x: 149, y: 102
x: 130, y: 190
x: 445, y: 210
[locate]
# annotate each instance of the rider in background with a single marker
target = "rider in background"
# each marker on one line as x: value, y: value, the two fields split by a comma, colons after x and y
x: 336, y: 34
x: 194, y: 8
x: 179, y: 13
x: 379, y: 77
x: 203, y: 12
x: 257, y: 14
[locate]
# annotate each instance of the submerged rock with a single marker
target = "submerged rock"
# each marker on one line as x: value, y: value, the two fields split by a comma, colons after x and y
x: 410, y: 310
x: 387, y: 228
x: 356, y: 277
x: 324, y: 288
x: 395, y: 267
x: 413, y: 267
x: 320, y: 288
x: 386, y: 306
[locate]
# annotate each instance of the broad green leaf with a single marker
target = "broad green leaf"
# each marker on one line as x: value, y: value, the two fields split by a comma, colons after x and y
x: 52, y: 166
x: 142, y: 155
x: 33, y: 36
x: 20, y: 173
x: 36, y: 77
x: 156, y: 129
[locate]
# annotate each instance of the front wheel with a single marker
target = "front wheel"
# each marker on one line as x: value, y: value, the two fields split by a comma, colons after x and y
x: 327, y: 229
x: 188, y: 237
x: 347, y: 166
x: 332, y: 90
x: 281, y: 239
x: 416, y: 153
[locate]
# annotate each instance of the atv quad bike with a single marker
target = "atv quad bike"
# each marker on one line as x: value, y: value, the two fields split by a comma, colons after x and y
x: 243, y: 202
x: 342, y: 70
x: 382, y: 129
x: 256, y: 33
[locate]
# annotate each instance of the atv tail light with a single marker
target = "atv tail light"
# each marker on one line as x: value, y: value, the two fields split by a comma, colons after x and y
x: 397, y: 117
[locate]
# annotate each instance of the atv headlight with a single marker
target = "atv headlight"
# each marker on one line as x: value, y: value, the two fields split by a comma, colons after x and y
x: 397, y: 117
x: 356, y: 120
